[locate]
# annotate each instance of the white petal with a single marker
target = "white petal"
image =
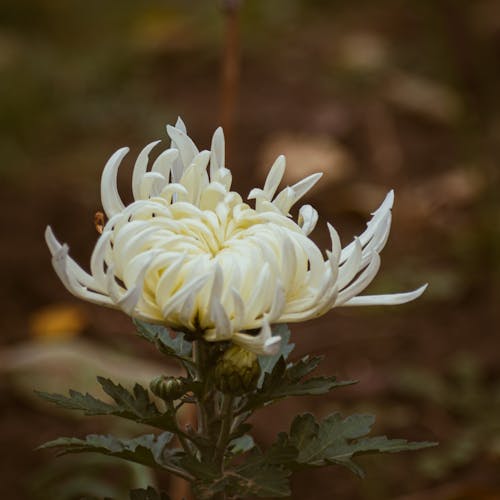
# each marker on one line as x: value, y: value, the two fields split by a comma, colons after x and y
x: 284, y: 201
x: 180, y: 125
x: 129, y: 300
x: 334, y: 238
x: 217, y: 157
x: 257, y: 301
x: 238, y: 308
x: 278, y: 303
x: 303, y: 186
x: 223, y: 176
x: 168, y: 280
x: 223, y: 328
x: 170, y: 190
x: 192, y: 287
x: 351, y: 266
x: 274, y: 177
x: 372, y: 225
x: 140, y: 168
x: 308, y: 218
x: 97, y: 258
x: 60, y: 263
x: 360, y: 283
x: 82, y: 276
x: 262, y: 344
x: 111, y: 201
x: 388, y: 299
x: 211, y: 196
x: 151, y: 185
x: 186, y: 147
x: 165, y: 161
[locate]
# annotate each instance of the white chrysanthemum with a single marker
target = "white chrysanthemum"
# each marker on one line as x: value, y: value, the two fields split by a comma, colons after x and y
x: 191, y: 254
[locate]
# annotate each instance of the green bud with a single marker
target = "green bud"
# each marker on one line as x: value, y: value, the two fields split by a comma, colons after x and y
x: 168, y: 388
x: 237, y: 371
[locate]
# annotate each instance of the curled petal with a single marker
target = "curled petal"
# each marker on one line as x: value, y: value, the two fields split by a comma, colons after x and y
x: 372, y: 225
x: 390, y: 299
x: 262, y: 344
x: 80, y: 275
x: 187, y: 148
x: 360, y: 283
x: 164, y: 163
x: 140, y: 168
x: 151, y: 185
x: 308, y: 218
x: 110, y: 199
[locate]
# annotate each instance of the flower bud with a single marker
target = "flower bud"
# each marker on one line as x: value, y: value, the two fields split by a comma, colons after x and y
x: 168, y: 388
x: 237, y: 371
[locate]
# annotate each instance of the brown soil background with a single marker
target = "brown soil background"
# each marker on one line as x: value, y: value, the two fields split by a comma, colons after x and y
x: 405, y: 92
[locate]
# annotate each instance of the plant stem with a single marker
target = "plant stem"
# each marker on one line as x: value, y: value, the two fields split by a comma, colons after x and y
x: 181, y: 435
x: 226, y: 415
x: 230, y: 65
x: 199, y: 357
x: 179, y: 472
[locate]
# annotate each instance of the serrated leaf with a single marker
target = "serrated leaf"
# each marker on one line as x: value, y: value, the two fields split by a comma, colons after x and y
x: 267, y: 362
x: 336, y: 440
x: 147, y: 450
x: 281, y: 452
x: 78, y: 401
x: 261, y: 481
x: 203, y: 471
x: 135, y: 405
x: 149, y: 494
x: 137, y: 402
x: 261, y: 475
x: 287, y: 380
x: 174, y: 346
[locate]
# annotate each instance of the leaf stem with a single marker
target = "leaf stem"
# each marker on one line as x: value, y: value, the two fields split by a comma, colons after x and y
x: 181, y: 435
x: 179, y: 472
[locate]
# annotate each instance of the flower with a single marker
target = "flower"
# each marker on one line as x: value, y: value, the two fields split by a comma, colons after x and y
x: 190, y: 254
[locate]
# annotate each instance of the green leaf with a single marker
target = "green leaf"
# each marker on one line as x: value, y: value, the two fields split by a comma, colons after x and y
x: 336, y: 440
x: 135, y: 405
x: 281, y: 452
x: 267, y: 362
x: 149, y: 494
x: 174, y: 346
x: 261, y: 480
x: 202, y: 471
x: 287, y: 380
x: 78, y: 401
x: 264, y: 474
x: 147, y: 450
x: 261, y: 475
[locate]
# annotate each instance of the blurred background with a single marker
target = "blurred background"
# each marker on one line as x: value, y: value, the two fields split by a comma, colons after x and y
x: 378, y: 95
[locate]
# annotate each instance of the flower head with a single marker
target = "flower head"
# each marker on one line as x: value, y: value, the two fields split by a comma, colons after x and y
x: 189, y: 253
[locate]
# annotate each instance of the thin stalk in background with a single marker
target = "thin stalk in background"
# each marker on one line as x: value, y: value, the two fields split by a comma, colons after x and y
x: 231, y: 66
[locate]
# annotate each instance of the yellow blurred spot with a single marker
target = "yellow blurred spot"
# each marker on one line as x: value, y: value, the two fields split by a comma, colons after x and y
x: 57, y: 322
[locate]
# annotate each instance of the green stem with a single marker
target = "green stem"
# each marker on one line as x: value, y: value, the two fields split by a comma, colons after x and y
x: 225, y: 428
x: 179, y: 472
x: 181, y: 435
x: 199, y: 357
